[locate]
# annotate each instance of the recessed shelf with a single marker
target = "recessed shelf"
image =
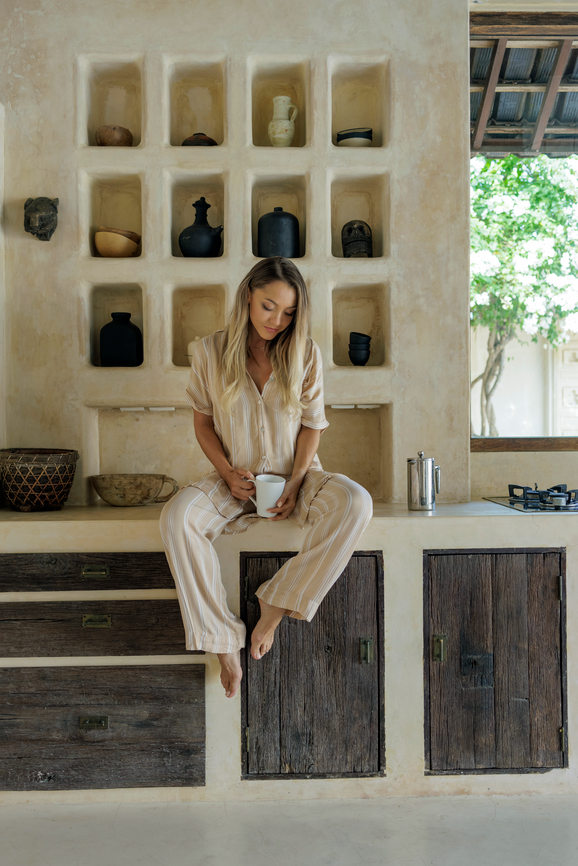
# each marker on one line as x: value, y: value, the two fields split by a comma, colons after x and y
x: 363, y: 309
x: 197, y: 312
x: 359, y: 197
x: 269, y: 79
x: 187, y: 188
x: 157, y: 442
x: 197, y: 101
x: 107, y: 299
x: 358, y: 97
x: 114, y: 97
x: 288, y: 192
x: 115, y: 202
x: 357, y: 444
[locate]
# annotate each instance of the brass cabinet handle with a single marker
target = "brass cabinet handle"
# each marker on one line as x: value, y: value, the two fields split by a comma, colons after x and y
x: 96, y: 620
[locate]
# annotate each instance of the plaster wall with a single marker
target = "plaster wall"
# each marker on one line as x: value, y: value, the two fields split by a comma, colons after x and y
x: 413, y: 186
x: 3, y: 356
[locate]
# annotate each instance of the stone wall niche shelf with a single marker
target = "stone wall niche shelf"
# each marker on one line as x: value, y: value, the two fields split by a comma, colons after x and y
x: 197, y: 101
x: 111, y: 95
x: 360, y: 196
x: 187, y: 188
x: 197, y: 312
x: 271, y: 78
x: 286, y: 191
x: 108, y: 299
x: 362, y: 308
x: 114, y: 200
x: 357, y: 443
x: 358, y: 97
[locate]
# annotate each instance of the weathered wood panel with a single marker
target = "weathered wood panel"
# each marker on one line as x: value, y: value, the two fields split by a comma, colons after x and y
x: 311, y: 707
x: 502, y: 706
x: 35, y: 572
x: 155, y: 734
x: 521, y: 24
x: 56, y: 628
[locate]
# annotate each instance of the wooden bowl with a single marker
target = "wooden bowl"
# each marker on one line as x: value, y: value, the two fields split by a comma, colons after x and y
x: 113, y: 136
x: 133, y: 236
x: 111, y: 245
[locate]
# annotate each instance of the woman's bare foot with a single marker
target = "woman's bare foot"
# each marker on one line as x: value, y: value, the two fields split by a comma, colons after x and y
x: 264, y: 632
x: 231, y: 672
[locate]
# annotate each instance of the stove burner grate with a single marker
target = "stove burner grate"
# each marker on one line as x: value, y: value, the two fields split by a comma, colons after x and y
x: 556, y: 498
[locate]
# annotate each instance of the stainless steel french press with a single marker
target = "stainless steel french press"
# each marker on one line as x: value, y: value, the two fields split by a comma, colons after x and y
x: 423, y: 482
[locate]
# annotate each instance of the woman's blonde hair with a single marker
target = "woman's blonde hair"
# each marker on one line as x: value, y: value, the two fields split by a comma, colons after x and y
x: 286, y: 351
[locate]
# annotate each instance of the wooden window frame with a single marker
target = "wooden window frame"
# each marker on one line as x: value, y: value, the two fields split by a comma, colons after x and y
x: 497, y: 28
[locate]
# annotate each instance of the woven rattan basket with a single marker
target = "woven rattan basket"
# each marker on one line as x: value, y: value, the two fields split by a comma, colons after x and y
x: 37, y: 479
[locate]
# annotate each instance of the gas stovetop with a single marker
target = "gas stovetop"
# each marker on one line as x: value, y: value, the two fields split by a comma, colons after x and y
x: 530, y: 499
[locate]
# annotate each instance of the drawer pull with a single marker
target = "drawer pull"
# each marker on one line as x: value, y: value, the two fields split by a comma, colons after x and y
x: 95, y: 571
x: 93, y: 722
x: 96, y: 620
x: 366, y: 650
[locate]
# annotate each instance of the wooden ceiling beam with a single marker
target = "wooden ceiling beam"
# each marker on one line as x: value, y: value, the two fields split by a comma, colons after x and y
x: 489, y: 92
x: 525, y: 24
x: 551, y: 93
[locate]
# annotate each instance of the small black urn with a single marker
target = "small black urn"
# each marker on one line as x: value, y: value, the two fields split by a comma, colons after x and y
x: 200, y: 240
x: 278, y: 235
x: 121, y: 343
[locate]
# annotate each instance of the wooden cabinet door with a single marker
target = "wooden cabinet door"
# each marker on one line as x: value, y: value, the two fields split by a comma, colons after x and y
x: 494, y: 661
x: 313, y: 706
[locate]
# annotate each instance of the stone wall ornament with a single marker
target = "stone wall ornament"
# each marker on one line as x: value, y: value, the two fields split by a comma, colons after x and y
x: 278, y: 234
x: 282, y: 127
x: 40, y: 217
x: 356, y: 240
x: 200, y: 240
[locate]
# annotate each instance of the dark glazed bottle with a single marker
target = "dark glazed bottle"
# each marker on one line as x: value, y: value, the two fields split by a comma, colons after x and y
x: 200, y: 240
x: 278, y: 235
x: 121, y: 343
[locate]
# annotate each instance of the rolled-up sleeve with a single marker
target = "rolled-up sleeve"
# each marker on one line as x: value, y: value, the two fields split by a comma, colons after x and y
x: 312, y: 393
x: 198, y: 393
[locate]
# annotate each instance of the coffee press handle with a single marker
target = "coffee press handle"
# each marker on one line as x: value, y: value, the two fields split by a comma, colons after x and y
x: 438, y: 474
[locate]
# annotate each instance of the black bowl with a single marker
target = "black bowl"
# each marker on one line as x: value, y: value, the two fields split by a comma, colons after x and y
x: 360, y: 357
x: 360, y: 339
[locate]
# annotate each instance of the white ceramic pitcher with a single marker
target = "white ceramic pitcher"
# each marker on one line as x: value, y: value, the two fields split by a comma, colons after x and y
x: 282, y: 127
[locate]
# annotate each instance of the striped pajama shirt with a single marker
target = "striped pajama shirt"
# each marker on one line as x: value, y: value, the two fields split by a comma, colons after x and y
x: 259, y: 436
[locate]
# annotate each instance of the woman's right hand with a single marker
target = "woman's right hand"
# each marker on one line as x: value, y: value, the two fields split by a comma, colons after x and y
x: 240, y: 484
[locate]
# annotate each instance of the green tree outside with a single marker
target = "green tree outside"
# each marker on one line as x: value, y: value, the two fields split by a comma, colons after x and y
x: 524, y: 260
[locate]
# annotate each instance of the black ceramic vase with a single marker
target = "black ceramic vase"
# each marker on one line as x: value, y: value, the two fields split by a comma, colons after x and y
x: 200, y: 240
x: 121, y: 343
x: 278, y: 235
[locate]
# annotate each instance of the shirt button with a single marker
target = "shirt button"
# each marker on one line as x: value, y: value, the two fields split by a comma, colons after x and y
x: 263, y: 457
x: 259, y: 402
x: 262, y: 429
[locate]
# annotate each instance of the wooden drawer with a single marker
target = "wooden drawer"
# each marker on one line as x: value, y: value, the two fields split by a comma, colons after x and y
x: 30, y: 572
x: 146, y: 727
x: 91, y: 628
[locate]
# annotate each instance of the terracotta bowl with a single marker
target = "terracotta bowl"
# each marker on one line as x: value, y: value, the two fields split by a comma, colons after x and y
x: 113, y: 136
x: 129, y: 490
x: 115, y: 246
x: 133, y: 236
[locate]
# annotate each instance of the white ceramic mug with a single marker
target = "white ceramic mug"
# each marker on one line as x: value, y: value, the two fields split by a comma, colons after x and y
x: 269, y: 489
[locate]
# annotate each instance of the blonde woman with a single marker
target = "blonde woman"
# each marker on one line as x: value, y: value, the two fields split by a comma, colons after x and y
x: 256, y: 388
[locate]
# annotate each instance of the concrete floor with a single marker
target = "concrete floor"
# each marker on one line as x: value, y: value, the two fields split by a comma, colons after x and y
x: 412, y: 831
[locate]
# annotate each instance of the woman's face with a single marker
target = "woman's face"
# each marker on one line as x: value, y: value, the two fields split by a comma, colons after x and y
x: 272, y: 308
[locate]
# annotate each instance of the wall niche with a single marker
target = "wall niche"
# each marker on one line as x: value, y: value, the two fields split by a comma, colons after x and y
x: 197, y: 312
x: 364, y: 309
x: 114, y: 202
x: 108, y: 299
x: 269, y: 79
x: 197, y: 100
x: 286, y: 191
x: 358, y: 98
x: 112, y: 96
x: 359, y: 196
x: 187, y: 188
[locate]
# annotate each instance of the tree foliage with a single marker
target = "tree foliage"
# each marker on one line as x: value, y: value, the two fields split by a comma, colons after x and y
x: 524, y: 275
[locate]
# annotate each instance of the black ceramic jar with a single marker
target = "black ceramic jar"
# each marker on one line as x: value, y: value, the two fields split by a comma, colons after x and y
x: 200, y: 240
x: 278, y: 235
x: 121, y: 343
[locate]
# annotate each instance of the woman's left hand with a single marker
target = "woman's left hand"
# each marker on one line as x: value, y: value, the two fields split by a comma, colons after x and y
x: 286, y: 502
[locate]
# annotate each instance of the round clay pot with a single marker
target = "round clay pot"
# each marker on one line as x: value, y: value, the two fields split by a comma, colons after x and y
x: 199, y: 139
x: 111, y: 245
x: 113, y: 136
x: 129, y: 490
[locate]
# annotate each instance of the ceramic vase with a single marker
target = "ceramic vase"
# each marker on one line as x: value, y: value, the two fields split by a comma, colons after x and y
x: 200, y: 240
x: 278, y: 234
x: 282, y: 127
x: 121, y: 343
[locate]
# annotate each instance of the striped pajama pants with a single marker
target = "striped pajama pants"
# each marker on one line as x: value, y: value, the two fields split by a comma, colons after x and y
x: 337, y: 517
